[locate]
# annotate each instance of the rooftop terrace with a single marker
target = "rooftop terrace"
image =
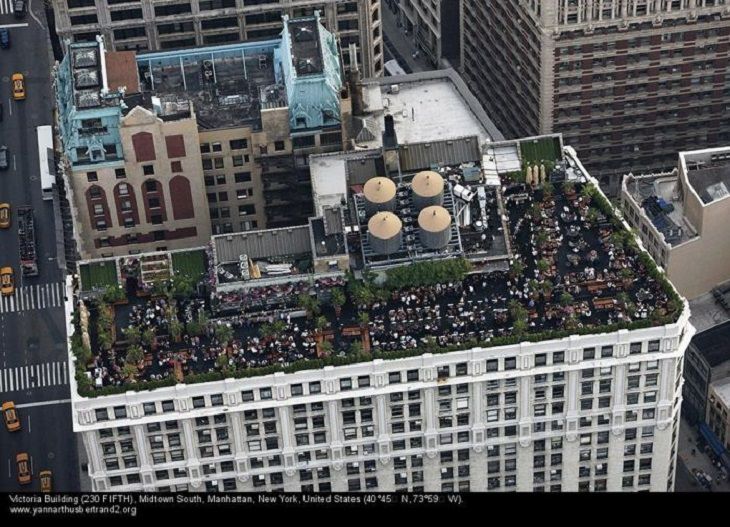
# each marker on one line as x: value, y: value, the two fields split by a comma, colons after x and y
x: 573, y: 270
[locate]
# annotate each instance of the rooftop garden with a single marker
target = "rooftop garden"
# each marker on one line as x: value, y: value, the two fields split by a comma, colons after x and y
x: 98, y: 275
x: 575, y: 270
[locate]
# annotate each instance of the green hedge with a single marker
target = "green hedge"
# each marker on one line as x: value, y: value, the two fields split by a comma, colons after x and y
x: 427, y: 273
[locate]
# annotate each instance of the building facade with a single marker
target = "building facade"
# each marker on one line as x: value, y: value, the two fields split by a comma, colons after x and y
x: 133, y: 179
x: 680, y: 217
x: 624, y: 81
x: 158, y: 24
x: 593, y: 413
x: 256, y: 110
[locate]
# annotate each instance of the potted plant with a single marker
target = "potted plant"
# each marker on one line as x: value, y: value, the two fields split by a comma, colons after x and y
x: 132, y: 335
x: 543, y: 266
x: 176, y: 328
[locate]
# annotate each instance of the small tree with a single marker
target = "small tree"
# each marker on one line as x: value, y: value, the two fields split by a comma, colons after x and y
x: 182, y: 287
x: 266, y: 330
x: 224, y: 333
x: 135, y: 355
x: 114, y: 293
x: 132, y: 334
x: 541, y: 238
x: 129, y: 371
x: 355, y: 348
x: 310, y: 304
x: 543, y: 265
x: 566, y: 299
x: 547, y: 288
x: 517, y: 268
x: 326, y: 347
x: 321, y: 324
x: 363, y: 319
x: 176, y: 328
x: 338, y: 299
x: 568, y: 187
x: 547, y: 191
x: 222, y: 361
x: 148, y: 337
x: 278, y: 327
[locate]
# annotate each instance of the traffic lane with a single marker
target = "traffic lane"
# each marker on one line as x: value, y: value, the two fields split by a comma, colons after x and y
x: 47, y: 436
x: 18, y: 132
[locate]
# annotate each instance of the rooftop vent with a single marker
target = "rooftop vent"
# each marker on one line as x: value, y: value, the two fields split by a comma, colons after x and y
x: 84, y: 58
x: 86, y: 78
x: 87, y: 99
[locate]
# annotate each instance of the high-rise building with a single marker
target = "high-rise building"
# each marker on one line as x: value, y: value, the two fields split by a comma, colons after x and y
x: 548, y: 357
x: 161, y: 149
x: 680, y: 216
x: 159, y: 25
x: 625, y: 81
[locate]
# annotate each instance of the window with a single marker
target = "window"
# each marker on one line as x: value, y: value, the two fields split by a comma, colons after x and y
x: 238, y: 144
x: 510, y: 363
x: 589, y: 353
x: 149, y: 170
x: 279, y: 145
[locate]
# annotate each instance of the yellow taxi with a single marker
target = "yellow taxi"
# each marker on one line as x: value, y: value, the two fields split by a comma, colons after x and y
x: 18, y: 86
x: 10, y: 415
x: 6, y: 281
x: 46, y: 480
x: 4, y: 215
x: 24, y: 475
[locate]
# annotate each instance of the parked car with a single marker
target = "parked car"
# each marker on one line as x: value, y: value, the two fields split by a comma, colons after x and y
x: 23, y: 463
x: 10, y: 415
x: 46, y: 478
x: 4, y: 38
x: 6, y: 281
x: 3, y: 157
x: 19, y: 8
x: 18, y: 86
x: 4, y: 215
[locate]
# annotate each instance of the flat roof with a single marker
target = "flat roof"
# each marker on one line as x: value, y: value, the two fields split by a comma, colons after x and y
x: 659, y: 197
x: 722, y: 389
x: 121, y: 68
x: 714, y: 344
x: 425, y: 106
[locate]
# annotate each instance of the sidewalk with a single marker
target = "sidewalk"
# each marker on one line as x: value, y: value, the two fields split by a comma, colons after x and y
x: 688, y: 437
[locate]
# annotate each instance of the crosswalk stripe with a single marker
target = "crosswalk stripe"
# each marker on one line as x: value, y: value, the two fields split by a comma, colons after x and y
x: 6, y: 7
x: 36, y: 296
x: 33, y: 376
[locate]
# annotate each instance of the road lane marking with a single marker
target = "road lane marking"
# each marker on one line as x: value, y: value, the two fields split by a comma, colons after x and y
x: 43, y: 403
x: 26, y: 377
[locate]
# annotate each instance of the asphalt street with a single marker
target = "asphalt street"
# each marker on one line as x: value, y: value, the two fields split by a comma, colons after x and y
x: 32, y: 328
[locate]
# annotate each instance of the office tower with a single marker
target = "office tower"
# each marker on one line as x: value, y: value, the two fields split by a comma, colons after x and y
x: 159, y: 25
x: 626, y: 82
x: 161, y: 149
x: 680, y: 218
x: 543, y: 360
